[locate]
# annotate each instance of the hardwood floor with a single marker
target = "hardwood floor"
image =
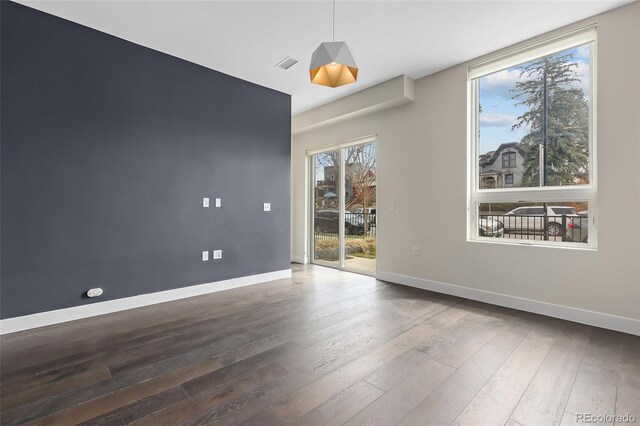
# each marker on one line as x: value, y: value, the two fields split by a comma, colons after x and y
x: 323, y: 348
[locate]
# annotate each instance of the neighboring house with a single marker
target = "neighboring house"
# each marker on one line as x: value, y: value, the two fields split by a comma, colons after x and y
x: 502, y: 168
x: 329, y: 185
x: 326, y: 191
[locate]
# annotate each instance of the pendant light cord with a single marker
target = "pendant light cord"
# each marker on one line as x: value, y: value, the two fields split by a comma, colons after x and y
x: 334, y: 20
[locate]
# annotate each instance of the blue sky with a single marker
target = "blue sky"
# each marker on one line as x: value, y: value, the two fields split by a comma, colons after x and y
x: 499, y: 111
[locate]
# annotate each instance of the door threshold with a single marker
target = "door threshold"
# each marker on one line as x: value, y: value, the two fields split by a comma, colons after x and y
x: 353, y: 271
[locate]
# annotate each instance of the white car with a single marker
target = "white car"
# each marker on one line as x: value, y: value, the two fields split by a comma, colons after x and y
x: 578, y: 228
x: 531, y: 218
x: 489, y: 227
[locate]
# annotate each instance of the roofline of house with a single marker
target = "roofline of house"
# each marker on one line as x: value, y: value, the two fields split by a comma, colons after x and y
x: 505, y: 145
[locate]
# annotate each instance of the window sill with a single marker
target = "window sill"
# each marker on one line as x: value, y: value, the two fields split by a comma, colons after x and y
x: 532, y: 243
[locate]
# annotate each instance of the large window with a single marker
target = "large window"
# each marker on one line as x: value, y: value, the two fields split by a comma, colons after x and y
x: 531, y: 144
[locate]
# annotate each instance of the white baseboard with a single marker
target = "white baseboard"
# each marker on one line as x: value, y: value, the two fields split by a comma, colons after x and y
x: 12, y: 325
x: 598, y: 319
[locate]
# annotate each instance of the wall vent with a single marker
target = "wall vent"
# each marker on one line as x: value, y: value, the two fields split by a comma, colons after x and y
x: 286, y: 63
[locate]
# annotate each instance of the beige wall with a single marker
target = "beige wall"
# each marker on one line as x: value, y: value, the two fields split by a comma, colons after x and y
x: 423, y: 170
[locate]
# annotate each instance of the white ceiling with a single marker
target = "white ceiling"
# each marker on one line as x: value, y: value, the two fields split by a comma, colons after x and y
x: 388, y: 38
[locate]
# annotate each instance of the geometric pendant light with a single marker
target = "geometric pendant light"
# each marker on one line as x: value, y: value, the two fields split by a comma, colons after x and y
x: 332, y: 63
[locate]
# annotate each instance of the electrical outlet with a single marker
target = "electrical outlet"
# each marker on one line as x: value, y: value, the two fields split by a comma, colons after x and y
x: 205, y: 256
x: 266, y: 207
x: 218, y: 202
x: 416, y: 251
x: 217, y: 254
x: 205, y: 202
x: 392, y: 206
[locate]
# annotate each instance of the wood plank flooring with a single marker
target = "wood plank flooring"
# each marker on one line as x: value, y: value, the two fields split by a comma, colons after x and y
x: 322, y: 348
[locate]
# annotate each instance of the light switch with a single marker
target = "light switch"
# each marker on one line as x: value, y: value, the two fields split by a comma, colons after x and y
x: 205, y: 256
x: 218, y: 202
x: 267, y: 207
x: 217, y: 254
x: 205, y: 202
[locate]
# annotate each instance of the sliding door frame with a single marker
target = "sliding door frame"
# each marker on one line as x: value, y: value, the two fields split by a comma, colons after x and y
x: 310, y: 153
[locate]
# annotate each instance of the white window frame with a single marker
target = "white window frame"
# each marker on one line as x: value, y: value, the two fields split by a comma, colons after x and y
x: 577, y: 193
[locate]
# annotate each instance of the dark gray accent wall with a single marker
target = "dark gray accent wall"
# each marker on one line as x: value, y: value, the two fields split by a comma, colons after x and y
x: 107, y: 149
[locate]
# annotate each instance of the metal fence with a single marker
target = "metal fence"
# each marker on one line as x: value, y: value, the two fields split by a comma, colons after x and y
x: 549, y: 228
x: 356, y: 225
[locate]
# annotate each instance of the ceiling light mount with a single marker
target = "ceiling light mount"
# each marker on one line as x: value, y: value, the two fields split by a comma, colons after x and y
x: 332, y: 63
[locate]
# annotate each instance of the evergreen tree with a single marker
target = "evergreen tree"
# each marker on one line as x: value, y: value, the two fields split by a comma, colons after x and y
x: 567, y: 120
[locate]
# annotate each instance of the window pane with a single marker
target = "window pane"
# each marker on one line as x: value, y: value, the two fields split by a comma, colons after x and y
x: 566, y: 221
x: 360, y: 202
x: 513, y: 105
x: 326, y: 216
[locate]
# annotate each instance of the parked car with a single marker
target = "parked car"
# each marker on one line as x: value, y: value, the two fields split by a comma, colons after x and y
x: 531, y: 219
x: 578, y: 228
x: 489, y: 227
x: 327, y: 221
x: 359, y: 213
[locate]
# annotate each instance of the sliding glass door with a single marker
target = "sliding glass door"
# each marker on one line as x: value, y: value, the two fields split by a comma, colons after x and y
x: 343, y: 206
x: 327, y: 208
